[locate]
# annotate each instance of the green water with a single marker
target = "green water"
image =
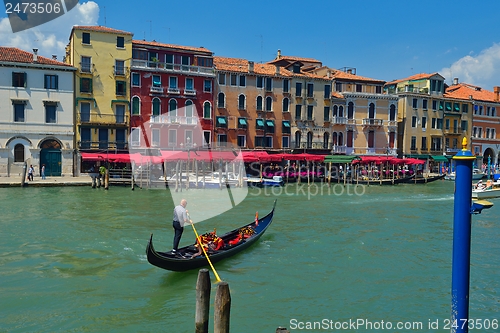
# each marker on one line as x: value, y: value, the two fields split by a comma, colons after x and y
x: 72, y: 259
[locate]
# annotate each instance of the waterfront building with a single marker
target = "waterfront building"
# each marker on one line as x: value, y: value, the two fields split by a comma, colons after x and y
x: 102, y: 95
x: 172, y: 95
x: 36, y: 125
x: 310, y: 103
x: 423, y: 108
x: 252, y: 105
x: 482, y: 106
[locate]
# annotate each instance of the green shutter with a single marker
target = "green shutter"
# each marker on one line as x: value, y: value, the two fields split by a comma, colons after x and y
x: 25, y: 79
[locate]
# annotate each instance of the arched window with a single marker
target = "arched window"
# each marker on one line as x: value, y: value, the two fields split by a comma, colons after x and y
x: 221, y: 100
x: 207, y: 110
x: 335, y: 111
x: 156, y: 107
x: 334, y: 138
x: 371, y: 111
x: 326, y: 138
x: 350, y: 110
x: 172, y: 108
x: 341, y: 139
x: 297, y: 139
x: 309, y: 139
x: 341, y: 111
x: 269, y: 103
x: 19, y: 153
x: 392, y: 113
x: 241, y: 102
x: 136, y: 106
x: 259, y: 103
x: 286, y: 103
x: 189, y: 112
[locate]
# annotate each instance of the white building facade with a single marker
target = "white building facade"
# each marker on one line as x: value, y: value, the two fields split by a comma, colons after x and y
x: 36, y: 114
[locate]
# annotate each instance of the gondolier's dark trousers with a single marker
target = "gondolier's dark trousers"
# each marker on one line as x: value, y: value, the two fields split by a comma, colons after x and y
x: 178, y: 233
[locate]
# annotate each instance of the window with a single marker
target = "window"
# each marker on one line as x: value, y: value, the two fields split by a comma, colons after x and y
x: 169, y: 60
x: 85, y: 85
x: 286, y: 103
x: 85, y: 64
x: 259, y: 124
x: 269, y: 84
x: 371, y: 139
x: 221, y: 100
x: 19, y: 79
x: 465, y: 108
x: 433, y: 123
x: 260, y: 82
x: 298, y: 89
x: 259, y: 141
x: 268, y: 142
x: 136, y: 102
x: 207, y: 110
x: 243, y: 81
x: 269, y: 103
x: 392, y: 113
x: 19, y: 112
x: 424, y: 122
x: 172, y: 108
x: 350, y: 110
x: 120, y: 113
x: 415, y: 103
x: 298, y: 138
x: 172, y: 138
x: 434, y: 105
x: 310, y: 110
x: 424, y: 104
x: 448, y: 106
x: 259, y: 103
x: 447, y: 124
x: 464, y: 125
x: 157, y: 81
x: 378, y: 89
x: 19, y: 153
x: 51, y: 81
x: 285, y: 129
x: 242, y: 123
x: 286, y: 85
x: 119, y: 67
x: 85, y: 112
x: 189, y: 112
x: 136, y: 79
x: 50, y: 113
x: 338, y: 87
x: 172, y: 82
x: 153, y: 59
x: 241, y: 102
x: 120, y: 42
x: 270, y: 126
x: 441, y: 105
x: 298, y: 112
x: 440, y: 123
x: 424, y: 143
x: 221, y: 121
x: 359, y: 88
x: 185, y: 61
x: 327, y: 91
x: 233, y: 78
x: 156, y: 107
x: 456, y: 107
x: 222, y: 79
x: 349, y: 139
x: 155, y: 137
x: 189, y: 84
x: 414, y: 121
x: 413, y: 145
x: 85, y: 138
x: 207, y: 86
x: 242, y: 141
x: 139, y: 54
x: 285, y: 142
x: 221, y: 140
x: 85, y: 38
x: 326, y: 113
x: 121, y: 88
x: 310, y: 90
x: 207, y: 139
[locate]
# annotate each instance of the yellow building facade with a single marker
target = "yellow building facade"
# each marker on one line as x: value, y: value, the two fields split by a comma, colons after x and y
x: 102, y: 87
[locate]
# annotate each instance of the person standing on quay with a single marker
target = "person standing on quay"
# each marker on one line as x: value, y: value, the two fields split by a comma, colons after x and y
x: 31, y: 170
x: 42, y: 171
x: 179, y: 221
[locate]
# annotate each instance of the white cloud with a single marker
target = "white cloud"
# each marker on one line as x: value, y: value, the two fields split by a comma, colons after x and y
x: 52, y: 37
x: 482, y: 70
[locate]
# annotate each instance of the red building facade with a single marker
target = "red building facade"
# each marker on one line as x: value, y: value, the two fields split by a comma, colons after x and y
x: 172, y: 94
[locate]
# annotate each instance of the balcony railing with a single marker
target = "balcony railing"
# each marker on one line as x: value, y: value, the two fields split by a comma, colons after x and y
x: 172, y: 67
x: 158, y: 90
x: 85, y: 68
x: 392, y: 123
x: 96, y: 118
x: 372, y: 122
x: 189, y: 92
x: 453, y: 131
x: 339, y: 120
x: 338, y: 149
x: 164, y: 119
x: 173, y: 91
x: 112, y: 145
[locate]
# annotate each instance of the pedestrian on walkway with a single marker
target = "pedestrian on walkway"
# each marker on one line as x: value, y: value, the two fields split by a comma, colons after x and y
x: 42, y: 171
x: 31, y: 171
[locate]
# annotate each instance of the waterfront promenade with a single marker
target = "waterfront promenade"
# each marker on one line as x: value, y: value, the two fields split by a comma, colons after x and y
x: 49, y: 181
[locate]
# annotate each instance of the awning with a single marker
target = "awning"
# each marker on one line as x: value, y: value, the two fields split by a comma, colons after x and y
x: 122, y: 101
x: 269, y: 123
x: 286, y: 123
x: 118, y: 158
x: 19, y: 100
x: 88, y: 99
x: 260, y: 122
x: 242, y: 121
x: 439, y: 158
x: 221, y: 120
x: 50, y: 101
x: 341, y: 159
x: 420, y: 156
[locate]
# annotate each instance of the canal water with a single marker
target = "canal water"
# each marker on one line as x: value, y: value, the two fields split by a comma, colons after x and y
x: 72, y: 259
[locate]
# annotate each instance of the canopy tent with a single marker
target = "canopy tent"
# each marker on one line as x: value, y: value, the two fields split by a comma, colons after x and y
x: 341, y: 159
x: 439, y: 158
x: 118, y: 158
x: 303, y: 157
x: 412, y: 161
x: 260, y: 156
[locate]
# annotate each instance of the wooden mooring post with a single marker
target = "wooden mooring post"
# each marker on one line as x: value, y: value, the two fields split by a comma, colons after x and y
x: 222, y: 308
x: 23, y: 177
x: 203, y: 288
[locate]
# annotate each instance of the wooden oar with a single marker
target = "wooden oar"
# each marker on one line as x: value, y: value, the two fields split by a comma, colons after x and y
x: 203, y: 248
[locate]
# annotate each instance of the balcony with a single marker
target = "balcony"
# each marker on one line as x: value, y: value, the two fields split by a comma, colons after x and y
x: 175, y: 91
x: 372, y: 122
x: 338, y: 149
x: 178, y: 120
x: 339, y: 120
x: 167, y: 67
x: 100, y: 145
x: 189, y: 92
x: 86, y: 68
x: 452, y: 131
x: 415, y: 90
x: 156, y: 90
x: 97, y: 118
x: 392, y: 123
x: 120, y: 71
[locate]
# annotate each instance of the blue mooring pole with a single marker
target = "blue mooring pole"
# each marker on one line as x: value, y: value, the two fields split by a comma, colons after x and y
x: 461, y: 240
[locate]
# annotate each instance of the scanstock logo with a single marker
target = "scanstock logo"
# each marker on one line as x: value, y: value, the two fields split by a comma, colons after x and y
x: 25, y: 15
x: 174, y: 145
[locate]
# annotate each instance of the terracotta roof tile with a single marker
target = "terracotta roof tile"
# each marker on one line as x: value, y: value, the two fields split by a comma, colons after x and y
x: 171, y: 46
x: 98, y: 28
x: 464, y: 91
x: 13, y: 54
x: 348, y: 76
x: 294, y: 59
x: 419, y: 76
x: 241, y: 66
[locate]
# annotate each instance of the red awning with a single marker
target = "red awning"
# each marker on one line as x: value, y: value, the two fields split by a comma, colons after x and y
x: 118, y: 158
x: 303, y: 157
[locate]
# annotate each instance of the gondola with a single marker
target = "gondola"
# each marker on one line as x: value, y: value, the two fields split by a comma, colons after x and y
x: 388, y: 181
x: 181, y: 261
x: 424, y: 180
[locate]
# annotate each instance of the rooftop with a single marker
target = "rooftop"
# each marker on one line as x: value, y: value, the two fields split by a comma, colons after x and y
x: 13, y: 54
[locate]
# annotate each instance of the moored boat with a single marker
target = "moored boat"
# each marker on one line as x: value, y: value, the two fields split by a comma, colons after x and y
x: 181, y: 261
x: 424, y: 179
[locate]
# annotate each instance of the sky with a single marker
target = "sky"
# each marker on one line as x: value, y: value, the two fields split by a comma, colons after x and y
x: 384, y: 40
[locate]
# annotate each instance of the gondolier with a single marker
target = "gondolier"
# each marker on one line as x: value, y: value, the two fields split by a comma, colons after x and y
x: 179, y: 221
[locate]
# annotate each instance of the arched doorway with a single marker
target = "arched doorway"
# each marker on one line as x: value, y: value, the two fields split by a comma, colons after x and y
x: 50, y: 155
x: 489, y: 154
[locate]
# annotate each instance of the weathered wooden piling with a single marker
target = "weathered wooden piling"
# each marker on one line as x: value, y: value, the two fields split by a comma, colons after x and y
x: 203, y: 288
x: 93, y: 180
x: 222, y: 308
x: 106, y: 179
x: 23, y: 178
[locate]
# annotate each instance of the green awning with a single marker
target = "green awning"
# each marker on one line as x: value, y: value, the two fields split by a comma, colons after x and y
x: 439, y: 158
x: 270, y: 123
x: 421, y: 156
x: 221, y: 120
x: 123, y: 101
x: 286, y: 123
x: 260, y: 122
x: 340, y: 159
x: 89, y: 99
x: 242, y: 121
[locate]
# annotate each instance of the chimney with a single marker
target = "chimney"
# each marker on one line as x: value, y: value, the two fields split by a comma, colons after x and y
x: 328, y: 74
x: 349, y: 71
x: 54, y: 57
x: 496, y: 90
x: 277, y: 70
x: 250, y: 66
x: 35, y: 55
x: 279, y: 54
x: 455, y: 81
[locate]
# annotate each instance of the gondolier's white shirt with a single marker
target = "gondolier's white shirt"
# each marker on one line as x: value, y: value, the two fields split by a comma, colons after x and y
x: 180, y: 215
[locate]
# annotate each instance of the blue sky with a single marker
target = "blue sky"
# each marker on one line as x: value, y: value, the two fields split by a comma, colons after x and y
x: 383, y: 40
